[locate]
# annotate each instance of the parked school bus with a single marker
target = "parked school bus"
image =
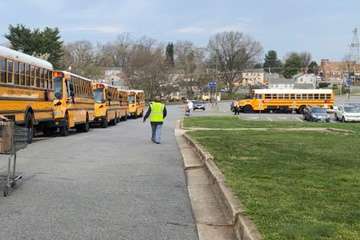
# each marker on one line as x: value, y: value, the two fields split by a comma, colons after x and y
x: 283, y: 99
x: 107, y: 104
x: 26, y: 90
x: 124, y: 103
x: 136, y: 103
x: 73, y: 102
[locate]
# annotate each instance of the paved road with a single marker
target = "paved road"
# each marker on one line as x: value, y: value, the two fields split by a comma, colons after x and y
x: 106, y: 184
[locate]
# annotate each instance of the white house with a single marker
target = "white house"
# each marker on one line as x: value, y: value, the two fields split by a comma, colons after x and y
x: 252, y: 77
x: 304, y: 80
x: 281, y: 83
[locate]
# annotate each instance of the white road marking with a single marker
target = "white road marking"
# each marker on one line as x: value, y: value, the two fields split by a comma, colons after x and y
x: 253, y: 117
x: 300, y: 119
x: 269, y: 119
x: 282, y: 118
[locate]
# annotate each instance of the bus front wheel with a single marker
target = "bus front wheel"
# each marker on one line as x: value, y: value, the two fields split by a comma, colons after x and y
x: 301, y: 109
x: 64, y: 130
x: 248, y: 109
x: 105, y: 122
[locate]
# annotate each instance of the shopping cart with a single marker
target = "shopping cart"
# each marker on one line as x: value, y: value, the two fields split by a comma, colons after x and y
x: 12, y: 139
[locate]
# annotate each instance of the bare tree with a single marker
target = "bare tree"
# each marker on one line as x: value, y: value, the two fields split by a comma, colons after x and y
x: 349, y: 65
x: 305, y: 60
x: 230, y: 53
x: 81, y: 58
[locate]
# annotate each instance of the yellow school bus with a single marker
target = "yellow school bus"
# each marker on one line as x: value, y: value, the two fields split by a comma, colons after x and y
x: 26, y: 90
x: 283, y: 99
x: 107, y: 104
x: 124, y: 104
x: 73, y: 102
x: 136, y: 103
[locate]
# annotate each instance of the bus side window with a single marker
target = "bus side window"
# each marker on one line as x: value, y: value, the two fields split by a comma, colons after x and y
x: 328, y: 96
x: 274, y: 96
x: 32, y: 76
x: 16, y: 73
x: 316, y: 96
x: 286, y: 96
x: 258, y: 96
x: 292, y: 96
x: 27, y: 70
x: 298, y: 96
x: 3, y: 70
x: 310, y: 96
x: 22, y: 74
x: 304, y: 96
x: 10, y: 71
x: 322, y: 96
x: 267, y: 96
x: 281, y: 96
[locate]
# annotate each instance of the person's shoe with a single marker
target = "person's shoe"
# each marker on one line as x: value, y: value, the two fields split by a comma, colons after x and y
x: 157, y: 142
x: 153, y: 140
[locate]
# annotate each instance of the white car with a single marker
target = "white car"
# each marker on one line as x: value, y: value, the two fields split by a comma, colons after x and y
x: 347, y: 113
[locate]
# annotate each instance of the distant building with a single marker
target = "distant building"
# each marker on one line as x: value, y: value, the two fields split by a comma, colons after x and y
x: 269, y: 76
x: 338, y: 70
x: 281, y: 83
x: 306, y: 81
x: 251, y: 77
x: 114, y: 77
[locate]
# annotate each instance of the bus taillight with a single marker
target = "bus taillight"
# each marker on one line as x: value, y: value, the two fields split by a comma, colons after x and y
x: 58, y: 74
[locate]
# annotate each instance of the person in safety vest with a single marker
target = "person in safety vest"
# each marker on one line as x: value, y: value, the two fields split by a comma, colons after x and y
x: 157, y: 112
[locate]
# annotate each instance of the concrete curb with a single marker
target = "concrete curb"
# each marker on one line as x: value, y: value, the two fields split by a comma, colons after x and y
x: 234, y: 210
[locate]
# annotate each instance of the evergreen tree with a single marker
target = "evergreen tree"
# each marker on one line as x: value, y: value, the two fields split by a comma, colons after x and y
x: 258, y: 66
x: 272, y: 63
x: 292, y: 65
x: 36, y: 42
x: 313, y: 68
x: 170, y: 55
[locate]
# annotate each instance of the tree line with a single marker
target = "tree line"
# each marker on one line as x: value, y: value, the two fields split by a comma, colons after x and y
x: 156, y: 67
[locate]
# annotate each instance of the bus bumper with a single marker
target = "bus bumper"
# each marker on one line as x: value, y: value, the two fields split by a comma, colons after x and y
x: 60, y: 122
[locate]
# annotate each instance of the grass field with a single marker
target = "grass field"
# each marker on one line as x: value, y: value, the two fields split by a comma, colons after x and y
x: 235, y: 122
x: 294, y: 185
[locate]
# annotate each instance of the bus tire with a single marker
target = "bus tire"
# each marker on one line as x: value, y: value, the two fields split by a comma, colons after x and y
x: 64, y: 130
x: 105, y: 123
x: 142, y: 114
x: 301, y: 109
x: 86, y: 126
x: 248, y: 109
x: 29, y: 124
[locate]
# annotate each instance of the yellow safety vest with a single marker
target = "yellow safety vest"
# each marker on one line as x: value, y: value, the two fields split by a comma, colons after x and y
x: 157, y: 110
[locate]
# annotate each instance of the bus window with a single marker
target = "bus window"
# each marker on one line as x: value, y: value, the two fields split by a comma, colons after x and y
x: 298, y: 96
x: 328, y: 96
x: 10, y: 71
x: 292, y: 96
x: 27, y: 70
x: 41, y: 76
x: 322, y: 96
x: 32, y: 76
x: 281, y: 96
x: 258, y: 96
x: 267, y: 96
x: 22, y: 74
x: 16, y: 73
x: 131, y: 99
x: 3, y: 70
x: 316, y: 96
x: 274, y: 96
x: 50, y: 80
x: 286, y: 96
x: 304, y: 96
x: 310, y: 96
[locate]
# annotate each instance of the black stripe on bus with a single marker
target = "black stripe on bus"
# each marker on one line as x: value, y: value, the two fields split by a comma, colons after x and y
x: 25, y: 87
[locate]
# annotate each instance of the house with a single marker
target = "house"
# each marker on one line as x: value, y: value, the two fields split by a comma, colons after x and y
x: 269, y: 76
x: 114, y: 76
x: 282, y: 83
x: 306, y: 81
x: 252, y: 77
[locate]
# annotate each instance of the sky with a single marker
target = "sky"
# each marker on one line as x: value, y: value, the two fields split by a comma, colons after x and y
x: 321, y: 27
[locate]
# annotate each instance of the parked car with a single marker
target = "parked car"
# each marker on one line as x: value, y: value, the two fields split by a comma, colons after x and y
x: 347, y: 113
x: 199, y: 105
x: 316, y: 113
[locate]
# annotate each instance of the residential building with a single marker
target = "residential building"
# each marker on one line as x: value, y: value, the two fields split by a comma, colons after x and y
x: 281, y: 83
x: 306, y: 81
x: 252, y: 77
x: 114, y: 77
x: 269, y: 76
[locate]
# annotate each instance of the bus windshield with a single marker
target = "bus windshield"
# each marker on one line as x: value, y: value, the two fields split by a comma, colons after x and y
x: 58, y: 88
x: 98, y: 95
x: 131, y: 99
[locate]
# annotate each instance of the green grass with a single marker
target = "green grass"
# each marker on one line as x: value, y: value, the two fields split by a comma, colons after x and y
x: 294, y: 185
x: 226, y: 96
x: 235, y: 122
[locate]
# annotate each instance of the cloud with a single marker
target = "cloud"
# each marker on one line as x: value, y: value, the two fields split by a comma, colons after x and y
x: 100, y: 29
x: 191, y: 29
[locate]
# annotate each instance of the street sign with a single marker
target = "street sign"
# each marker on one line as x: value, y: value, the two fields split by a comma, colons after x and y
x: 348, y: 81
